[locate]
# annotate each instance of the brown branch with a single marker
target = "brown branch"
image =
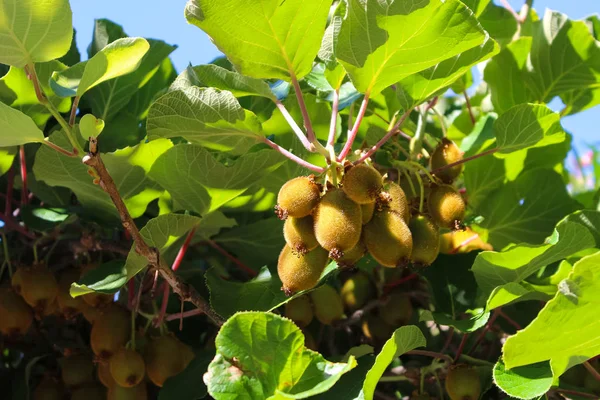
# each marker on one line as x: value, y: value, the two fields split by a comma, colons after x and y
x: 185, y: 291
x: 592, y: 370
x: 468, y: 101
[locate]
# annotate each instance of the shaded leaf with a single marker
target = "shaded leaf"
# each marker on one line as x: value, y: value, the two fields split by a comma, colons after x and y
x: 107, y: 278
x: 186, y: 385
x: 7, y: 156
x: 527, y: 382
x: 17, y: 128
x: 478, y: 318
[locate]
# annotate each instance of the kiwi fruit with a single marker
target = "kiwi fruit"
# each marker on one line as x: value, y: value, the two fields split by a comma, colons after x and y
x: 446, y: 207
x: 91, y: 392
x: 90, y: 313
x: 48, y: 389
x: 300, y: 272
x: 375, y: 329
x: 163, y: 359
x: 127, y: 367
x: 426, y: 240
x: 104, y: 375
x: 396, y: 201
x: 419, y: 396
x: 138, y: 392
x: 327, y: 304
x: 362, y: 184
x: 300, y: 311
x: 367, y: 212
x: 351, y: 257
x: 297, y: 197
x: 111, y: 330
x: 446, y: 153
x: 356, y: 291
x: 388, y: 239
x: 76, y: 370
x: 462, y: 242
x: 17, y: 279
x: 299, y: 234
x: 95, y: 299
x: 68, y: 306
x: 397, y: 311
x: 39, y: 288
x: 338, y: 223
x: 16, y: 316
x: 462, y: 383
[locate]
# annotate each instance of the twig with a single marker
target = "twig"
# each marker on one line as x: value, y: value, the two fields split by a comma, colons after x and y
x: 431, y: 354
x: 464, y: 160
x: 468, y: 101
x: 334, y: 114
x: 185, y: 291
x: 290, y: 120
x: 395, y: 129
x: 448, y: 339
x: 575, y: 393
x: 592, y: 370
x: 461, y: 346
x: 58, y: 148
x: 15, y: 226
x: 354, y: 131
x: 487, y: 327
x: 166, y: 289
x: 9, y: 190
x: 74, y: 111
x: 23, y: 164
x: 401, y: 281
x: 233, y: 259
x: 509, y: 320
x: 292, y: 156
x: 184, y: 314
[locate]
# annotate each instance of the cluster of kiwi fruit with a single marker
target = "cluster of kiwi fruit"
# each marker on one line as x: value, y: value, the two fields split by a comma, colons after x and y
x: 365, y: 213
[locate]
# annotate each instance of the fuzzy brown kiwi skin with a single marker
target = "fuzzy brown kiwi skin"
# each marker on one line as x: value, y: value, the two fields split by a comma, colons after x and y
x: 39, y: 288
x: 299, y: 234
x: 462, y: 383
x: 15, y: 315
x: 300, y: 311
x: 447, y: 152
x: 394, y: 199
x: 351, y: 257
x: 426, y: 240
x: 362, y: 184
x: 338, y: 223
x: 388, y: 239
x: 356, y: 291
x: 298, y: 197
x: 300, y: 272
x: 367, y: 211
x: 446, y: 207
x: 397, y: 311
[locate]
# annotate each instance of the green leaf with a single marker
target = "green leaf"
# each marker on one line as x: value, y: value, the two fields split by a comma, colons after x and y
x: 262, y: 356
x: 33, y: 31
x: 261, y: 293
x: 527, y: 125
x: 477, y: 6
x: 17, y: 128
x: 107, y: 278
x: 200, y: 183
x: 576, y: 338
x: 404, y: 339
x: 350, y: 386
x: 477, y: 320
x: 186, y: 385
x: 105, y: 32
x: 206, y: 116
x: 526, y: 382
x: 330, y: 38
x: 383, y: 42
x: 42, y: 219
x: 90, y: 126
x: 499, y: 23
x: 7, y: 156
x: 282, y: 40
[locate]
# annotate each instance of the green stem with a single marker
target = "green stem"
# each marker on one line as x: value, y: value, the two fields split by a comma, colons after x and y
x: 132, y: 342
x: 442, y: 120
x: 35, y: 253
x: 53, y: 146
x: 6, y: 254
x: 416, y: 143
x: 464, y: 160
x: 399, y: 378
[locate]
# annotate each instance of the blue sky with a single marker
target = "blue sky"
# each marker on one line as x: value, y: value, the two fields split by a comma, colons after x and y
x: 163, y: 19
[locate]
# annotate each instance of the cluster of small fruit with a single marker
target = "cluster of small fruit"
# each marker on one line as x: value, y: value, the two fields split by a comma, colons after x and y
x: 365, y: 213
x: 115, y: 368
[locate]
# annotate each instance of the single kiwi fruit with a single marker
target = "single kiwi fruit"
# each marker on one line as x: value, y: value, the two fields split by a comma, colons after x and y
x: 163, y: 359
x: 17, y: 279
x: 351, y: 257
x: 300, y: 311
x: 95, y: 299
x: 327, y: 304
x: 298, y: 197
x: 300, y: 272
x: 446, y: 153
x: 68, y: 306
x: 462, y: 242
x: 410, y: 186
x: 375, y: 328
x: 39, y: 288
x: 367, y: 212
x: 127, y: 367
x: 426, y: 240
x: 397, y: 311
x: 111, y: 330
x: 395, y: 200
x: 388, y: 239
x: 16, y: 316
x: 48, y: 389
x: 338, y: 223
x: 462, y: 383
x: 356, y: 291
x: 90, y: 392
x: 104, y: 375
x: 299, y: 234
x: 138, y: 392
x: 77, y: 370
x: 446, y: 207
x: 362, y: 184
x: 90, y: 313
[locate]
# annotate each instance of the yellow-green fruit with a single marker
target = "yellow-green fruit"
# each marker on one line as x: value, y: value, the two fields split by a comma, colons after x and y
x: 92, y: 392
x: 104, y: 375
x: 127, y: 367
x: 48, y: 389
x: 15, y: 315
x: 327, y: 304
x: 362, y: 184
x: 338, y: 223
x: 388, y: 239
x: 309, y: 341
x: 77, y: 370
x: 447, y: 152
x: 95, y: 299
x: 297, y: 197
x: 351, y: 257
x: 356, y: 291
x: 69, y: 306
x: 376, y: 329
x: 397, y: 201
x: 163, y: 359
x: 300, y: 311
x: 111, y: 330
x: 462, y: 383
x: 397, y: 311
x: 39, y: 288
x: 17, y: 279
x: 90, y: 313
x: 426, y: 240
x: 367, y: 212
x: 300, y: 272
x: 446, y: 207
x: 117, y: 392
x: 299, y: 234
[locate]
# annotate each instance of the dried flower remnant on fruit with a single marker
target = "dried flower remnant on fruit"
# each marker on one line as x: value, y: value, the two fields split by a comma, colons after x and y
x: 362, y: 184
x: 446, y: 153
x: 298, y: 197
x: 299, y: 234
x: 300, y: 272
x: 446, y: 207
x: 300, y: 311
x: 426, y: 240
x: 327, y: 304
x: 394, y: 200
x: 352, y: 256
x: 388, y: 239
x: 462, y: 383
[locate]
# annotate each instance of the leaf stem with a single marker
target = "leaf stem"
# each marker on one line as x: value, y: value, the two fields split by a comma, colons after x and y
x: 297, y: 130
x: 23, y: 164
x: 464, y: 160
x: 461, y: 346
x: 74, y: 110
x: 15, y: 226
x: 354, y: 131
x: 416, y: 143
x: 487, y: 327
x: 291, y: 156
x: 576, y: 393
x: 58, y: 148
x: 310, y: 133
x: 592, y: 370
x: 431, y: 354
x: 184, y: 314
x: 469, y: 108
x: 442, y: 120
x: 507, y: 5
x: 334, y: 114
x: 233, y: 259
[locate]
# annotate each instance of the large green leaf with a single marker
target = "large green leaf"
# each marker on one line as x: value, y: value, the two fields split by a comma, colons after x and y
x: 499, y: 23
x: 404, y: 339
x: 383, y: 42
x: 108, y: 278
x: 33, y: 31
x: 198, y: 182
x: 17, y: 128
x: 7, y: 156
x: 566, y: 330
x: 264, y: 38
x: 105, y: 32
x: 262, y: 356
x: 207, y: 116
x: 526, y: 382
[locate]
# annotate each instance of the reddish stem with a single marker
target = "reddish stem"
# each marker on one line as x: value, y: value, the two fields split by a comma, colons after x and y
x: 310, y: 133
x: 58, y: 148
x: 352, y: 134
x: 9, y: 190
x: 292, y: 157
x: 395, y: 129
x: 461, y: 346
x: 165, y: 301
x: 464, y: 243
x: 24, y: 193
x: 576, y: 393
x: 131, y: 293
x: 334, y: 113
x: 13, y: 201
x: 12, y: 225
x: 469, y: 107
x: 74, y: 111
x: 592, y: 370
x: 237, y: 262
x: 464, y: 160
x: 431, y: 354
x: 183, y: 250
x: 487, y: 327
x: 290, y: 120
x: 510, y: 320
x: 400, y: 281
x: 507, y: 5
x: 184, y: 314
x: 448, y: 339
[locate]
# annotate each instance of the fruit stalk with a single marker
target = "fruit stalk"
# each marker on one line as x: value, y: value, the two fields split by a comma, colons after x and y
x: 395, y: 129
x: 334, y: 113
x: 291, y: 156
x: 290, y: 120
x: 464, y: 160
x: 592, y: 370
x: 354, y: 131
x: 468, y: 102
x: 23, y: 165
x: 237, y: 262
